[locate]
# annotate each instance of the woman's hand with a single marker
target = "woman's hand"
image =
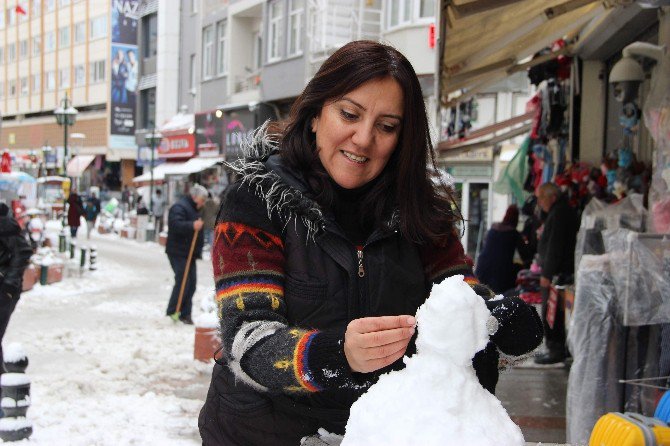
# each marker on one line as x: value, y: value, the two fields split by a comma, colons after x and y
x: 371, y: 343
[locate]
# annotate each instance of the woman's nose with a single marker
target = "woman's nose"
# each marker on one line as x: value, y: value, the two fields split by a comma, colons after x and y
x: 363, y: 136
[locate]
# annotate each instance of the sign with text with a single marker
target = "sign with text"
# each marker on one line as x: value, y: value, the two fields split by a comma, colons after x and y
x: 124, y: 74
x: 177, y: 146
x: 239, y: 127
x: 209, y: 131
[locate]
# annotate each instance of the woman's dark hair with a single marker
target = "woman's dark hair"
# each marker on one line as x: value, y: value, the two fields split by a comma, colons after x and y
x: 425, y: 207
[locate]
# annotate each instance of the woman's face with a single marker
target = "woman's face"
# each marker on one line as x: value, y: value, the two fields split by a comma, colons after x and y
x: 356, y: 135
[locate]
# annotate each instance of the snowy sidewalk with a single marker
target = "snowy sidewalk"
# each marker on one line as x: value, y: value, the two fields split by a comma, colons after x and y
x: 107, y: 366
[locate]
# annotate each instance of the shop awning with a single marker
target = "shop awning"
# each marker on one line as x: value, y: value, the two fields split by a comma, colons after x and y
x: 487, y: 40
x: 78, y: 164
x: 193, y: 165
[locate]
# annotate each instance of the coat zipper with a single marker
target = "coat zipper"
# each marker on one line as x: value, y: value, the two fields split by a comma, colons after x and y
x: 361, y: 269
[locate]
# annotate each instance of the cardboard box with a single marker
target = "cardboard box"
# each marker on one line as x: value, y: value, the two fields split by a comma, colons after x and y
x: 207, y: 342
x: 30, y: 277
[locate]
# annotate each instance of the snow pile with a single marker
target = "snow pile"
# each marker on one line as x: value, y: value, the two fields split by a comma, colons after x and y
x: 436, y: 399
x: 14, y: 352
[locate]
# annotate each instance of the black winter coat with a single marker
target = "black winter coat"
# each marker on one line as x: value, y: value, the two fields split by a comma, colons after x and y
x: 288, y: 282
x: 181, y: 216
x: 495, y: 265
x: 15, y: 252
x: 556, y: 246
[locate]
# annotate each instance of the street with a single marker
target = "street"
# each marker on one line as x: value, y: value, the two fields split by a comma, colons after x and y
x: 107, y: 366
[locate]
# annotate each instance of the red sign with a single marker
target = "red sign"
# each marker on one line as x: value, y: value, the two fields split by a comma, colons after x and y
x: 177, y: 146
x: 431, y: 36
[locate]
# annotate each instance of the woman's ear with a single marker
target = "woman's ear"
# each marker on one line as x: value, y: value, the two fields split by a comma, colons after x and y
x: 315, y: 124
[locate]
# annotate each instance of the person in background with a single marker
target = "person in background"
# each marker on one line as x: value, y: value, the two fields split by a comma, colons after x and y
x: 183, y: 221
x: 209, y: 212
x: 556, y: 250
x: 140, y: 207
x: 324, y: 249
x: 75, y: 210
x: 495, y: 265
x: 15, y: 252
x: 91, y: 211
x: 158, y: 210
x: 125, y: 201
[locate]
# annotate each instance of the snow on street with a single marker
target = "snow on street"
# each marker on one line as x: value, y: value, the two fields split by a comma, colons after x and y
x: 107, y: 366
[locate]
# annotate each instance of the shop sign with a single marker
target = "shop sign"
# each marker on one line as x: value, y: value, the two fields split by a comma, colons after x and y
x: 239, y: 128
x: 177, y: 146
x: 485, y: 154
x: 466, y: 171
x: 144, y: 157
x: 209, y: 133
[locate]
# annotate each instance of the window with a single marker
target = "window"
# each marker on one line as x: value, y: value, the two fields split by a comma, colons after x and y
x: 208, y: 52
x: 49, y: 5
x: 11, y: 19
x: 62, y: 3
x: 23, y: 49
x: 35, y: 8
x: 37, y: 83
x: 97, y: 71
x: 79, y: 32
x: 296, y: 10
x: 426, y: 9
x: 12, y: 88
x: 2, y: 18
x: 50, y: 81
x: 24, y: 86
x: 194, y: 6
x: 150, y: 36
x: 64, y: 78
x: 258, y: 52
x: 148, y: 98
x: 37, y: 44
x: 79, y: 75
x: 404, y: 12
x: 2, y: 90
x: 24, y: 6
x: 49, y: 41
x: 222, y: 48
x: 64, y: 37
x: 98, y: 27
x: 275, y: 30
x: 191, y: 79
x: 2, y: 55
x: 11, y: 52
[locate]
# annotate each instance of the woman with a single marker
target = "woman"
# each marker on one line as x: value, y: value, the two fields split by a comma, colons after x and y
x: 75, y: 209
x: 495, y: 265
x: 323, y: 251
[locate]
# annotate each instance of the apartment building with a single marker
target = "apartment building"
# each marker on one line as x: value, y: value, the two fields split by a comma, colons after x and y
x: 50, y: 48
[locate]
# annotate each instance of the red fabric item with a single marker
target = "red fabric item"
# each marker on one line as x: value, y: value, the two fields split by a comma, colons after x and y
x: 20, y: 10
x: 6, y: 163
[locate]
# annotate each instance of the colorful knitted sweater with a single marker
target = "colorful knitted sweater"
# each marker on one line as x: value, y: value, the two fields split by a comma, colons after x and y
x: 260, y: 345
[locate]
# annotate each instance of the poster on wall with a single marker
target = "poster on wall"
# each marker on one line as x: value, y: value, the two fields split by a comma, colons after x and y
x: 239, y: 127
x: 209, y: 133
x: 124, y: 74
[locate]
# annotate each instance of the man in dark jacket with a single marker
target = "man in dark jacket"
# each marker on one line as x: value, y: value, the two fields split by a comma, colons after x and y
x: 556, y: 249
x: 15, y: 252
x: 183, y: 222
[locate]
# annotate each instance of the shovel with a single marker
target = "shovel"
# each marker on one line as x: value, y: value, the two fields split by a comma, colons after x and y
x: 177, y: 313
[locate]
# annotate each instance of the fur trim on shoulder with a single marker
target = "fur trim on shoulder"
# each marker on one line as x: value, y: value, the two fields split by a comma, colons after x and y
x: 281, y: 199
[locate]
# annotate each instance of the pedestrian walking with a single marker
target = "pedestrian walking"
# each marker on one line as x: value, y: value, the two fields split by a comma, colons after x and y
x: 322, y: 255
x: 91, y: 211
x: 75, y: 211
x: 15, y: 252
x: 184, y: 223
x: 158, y: 210
x: 125, y: 201
x: 556, y: 249
x: 209, y: 212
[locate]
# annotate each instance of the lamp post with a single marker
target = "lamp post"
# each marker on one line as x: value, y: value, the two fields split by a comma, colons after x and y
x: 152, y: 138
x: 66, y: 115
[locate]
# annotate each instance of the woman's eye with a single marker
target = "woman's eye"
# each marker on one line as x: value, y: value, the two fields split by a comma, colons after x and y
x: 348, y: 116
x: 388, y: 128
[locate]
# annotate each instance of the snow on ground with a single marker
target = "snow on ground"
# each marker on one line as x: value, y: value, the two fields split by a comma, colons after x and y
x: 107, y: 366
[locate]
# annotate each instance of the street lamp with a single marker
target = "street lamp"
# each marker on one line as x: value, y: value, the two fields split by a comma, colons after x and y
x: 153, y: 139
x: 66, y: 114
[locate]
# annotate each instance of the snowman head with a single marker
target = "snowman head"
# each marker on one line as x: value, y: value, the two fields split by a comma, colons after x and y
x: 452, y: 322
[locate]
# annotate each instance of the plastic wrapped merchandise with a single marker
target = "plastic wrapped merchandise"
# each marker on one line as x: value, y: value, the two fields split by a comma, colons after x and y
x: 642, y: 281
x: 628, y: 213
x: 597, y: 343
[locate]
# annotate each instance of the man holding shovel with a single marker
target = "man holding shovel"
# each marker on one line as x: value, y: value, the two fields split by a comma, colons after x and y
x: 184, y: 245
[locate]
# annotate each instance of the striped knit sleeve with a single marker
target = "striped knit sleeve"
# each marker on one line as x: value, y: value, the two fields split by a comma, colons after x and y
x: 259, y: 345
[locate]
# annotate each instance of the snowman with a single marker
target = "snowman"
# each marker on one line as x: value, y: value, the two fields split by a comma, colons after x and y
x: 437, y: 399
